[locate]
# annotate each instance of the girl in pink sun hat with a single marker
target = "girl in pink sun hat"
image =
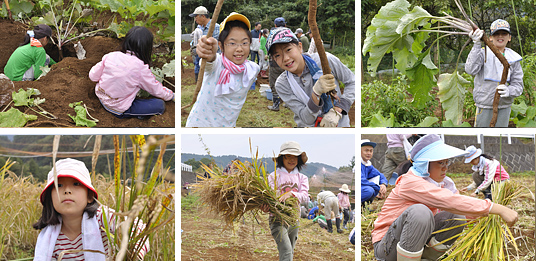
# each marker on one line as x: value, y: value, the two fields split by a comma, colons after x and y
x: 72, y: 219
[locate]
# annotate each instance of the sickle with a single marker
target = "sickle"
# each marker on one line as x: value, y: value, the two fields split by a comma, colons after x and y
x: 318, y: 43
x: 204, y: 61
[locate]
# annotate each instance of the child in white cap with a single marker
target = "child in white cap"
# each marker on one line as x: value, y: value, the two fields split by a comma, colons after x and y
x: 289, y: 183
x: 486, y: 170
x: 74, y: 220
x: 344, y: 203
x: 487, y: 69
x: 425, y: 200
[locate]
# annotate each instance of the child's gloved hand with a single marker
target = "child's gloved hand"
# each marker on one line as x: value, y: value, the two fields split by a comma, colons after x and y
x: 476, y: 35
x: 207, y: 48
x: 331, y: 119
x: 324, y: 84
x: 503, y: 90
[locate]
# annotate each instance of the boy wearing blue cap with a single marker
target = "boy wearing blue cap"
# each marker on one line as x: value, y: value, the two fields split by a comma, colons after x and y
x: 487, y: 69
x: 426, y: 200
x: 373, y: 182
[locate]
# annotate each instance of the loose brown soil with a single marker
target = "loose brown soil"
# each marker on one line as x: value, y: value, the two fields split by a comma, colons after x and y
x: 188, y: 77
x: 68, y: 82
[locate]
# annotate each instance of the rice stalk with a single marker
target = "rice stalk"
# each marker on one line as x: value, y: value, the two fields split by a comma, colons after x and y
x: 95, y: 155
x: 55, y: 145
x: 487, y: 238
x: 244, y: 189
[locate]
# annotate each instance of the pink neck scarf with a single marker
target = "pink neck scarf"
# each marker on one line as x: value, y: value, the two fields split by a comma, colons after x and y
x: 230, y: 68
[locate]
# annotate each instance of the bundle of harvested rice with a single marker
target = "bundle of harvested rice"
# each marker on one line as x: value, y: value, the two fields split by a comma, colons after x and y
x: 244, y: 188
x: 487, y: 238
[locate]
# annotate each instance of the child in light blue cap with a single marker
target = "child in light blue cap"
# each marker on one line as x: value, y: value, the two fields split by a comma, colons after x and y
x: 486, y: 170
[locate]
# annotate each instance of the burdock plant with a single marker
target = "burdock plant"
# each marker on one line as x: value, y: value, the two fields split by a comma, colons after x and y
x: 244, y: 189
x: 487, y: 238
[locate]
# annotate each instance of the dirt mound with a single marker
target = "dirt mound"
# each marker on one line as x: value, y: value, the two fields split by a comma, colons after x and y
x: 68, y: 82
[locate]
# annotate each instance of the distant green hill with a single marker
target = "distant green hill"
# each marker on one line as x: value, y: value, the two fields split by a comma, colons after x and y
x: 310, y: 169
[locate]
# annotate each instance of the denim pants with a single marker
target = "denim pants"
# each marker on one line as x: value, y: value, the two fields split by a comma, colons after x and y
x: 285, y: 237
x: 142, y: 108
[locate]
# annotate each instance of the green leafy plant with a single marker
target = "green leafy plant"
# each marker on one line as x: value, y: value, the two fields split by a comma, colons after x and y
x: 159, y: 13
x: 80, y: 119
x: 168, y: 70
x: 20, y: 8
x: 393, y: 102
x: 15, y: 118
x: 60, y: 14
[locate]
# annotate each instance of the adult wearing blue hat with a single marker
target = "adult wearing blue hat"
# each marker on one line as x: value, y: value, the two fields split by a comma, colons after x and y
x: 373, y: 182
x: 411, y: 213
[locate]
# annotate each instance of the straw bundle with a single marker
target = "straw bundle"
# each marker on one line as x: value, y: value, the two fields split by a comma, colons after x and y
x: 487, y: 238
x: 243, y: 189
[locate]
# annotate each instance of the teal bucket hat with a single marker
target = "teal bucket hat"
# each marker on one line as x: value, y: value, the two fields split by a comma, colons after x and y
x: 430, y: 148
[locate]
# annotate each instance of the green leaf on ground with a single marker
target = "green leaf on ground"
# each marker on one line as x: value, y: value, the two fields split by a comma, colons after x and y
x: 15, y: 118
x: 379, y: 121
x: 22, y: 97
x: 452, y: 95
x: 81, y: 119
x: 427, y: 122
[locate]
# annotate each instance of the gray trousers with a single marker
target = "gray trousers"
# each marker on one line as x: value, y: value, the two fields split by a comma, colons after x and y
x: 393, y: 157
x: 483, y: 117
x: 285, y: 237
x: 413, y: 229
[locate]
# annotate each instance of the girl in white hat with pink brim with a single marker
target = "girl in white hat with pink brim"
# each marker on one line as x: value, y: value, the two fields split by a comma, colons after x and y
x: 72, y: 219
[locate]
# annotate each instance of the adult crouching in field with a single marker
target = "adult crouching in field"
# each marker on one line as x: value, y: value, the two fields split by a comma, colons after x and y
x: 331, y: 208
x: 426, y: 200
x: 25, y: 62
x: 228, y: 76
x: 303, y: 87
x: 289, y: 183
x: 487, y: 69
x: 122, y: 74
x: 486, y: 170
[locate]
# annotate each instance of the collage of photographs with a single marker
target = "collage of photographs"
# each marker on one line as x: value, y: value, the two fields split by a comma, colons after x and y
x: 444, y: 99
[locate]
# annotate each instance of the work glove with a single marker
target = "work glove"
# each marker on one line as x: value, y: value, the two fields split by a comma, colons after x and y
x: 503, y: 90
x: 476, y: 35
x: 331, y: 118
x: 324, y: 84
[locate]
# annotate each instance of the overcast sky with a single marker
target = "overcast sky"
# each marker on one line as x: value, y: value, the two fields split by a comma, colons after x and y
x: 336, y: 150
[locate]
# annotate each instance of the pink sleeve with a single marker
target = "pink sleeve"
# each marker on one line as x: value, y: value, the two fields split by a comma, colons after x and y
x: 421, y: 191
x: 96, y: 71
x: 303, y: 188
x: 149, y: 83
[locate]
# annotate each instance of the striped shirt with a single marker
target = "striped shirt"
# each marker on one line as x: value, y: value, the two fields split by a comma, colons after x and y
x: 63, y: 243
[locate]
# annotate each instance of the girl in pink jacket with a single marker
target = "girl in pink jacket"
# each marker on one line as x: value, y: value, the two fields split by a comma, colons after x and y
x: 289, y: 182
x: 486, y: 171
x: 122, y: 74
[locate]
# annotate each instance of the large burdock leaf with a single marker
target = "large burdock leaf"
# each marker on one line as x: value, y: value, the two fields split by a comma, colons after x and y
x: 15, y: 118
x: 379, y: 121
x: 417, y: 17
x: 382, y: 36
x: 427, y: 122
x: 452, y: 95
x: 422, y: 80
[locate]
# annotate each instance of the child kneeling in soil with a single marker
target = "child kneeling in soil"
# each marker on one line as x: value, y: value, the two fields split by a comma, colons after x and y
x: 74, y: 220
x: 25, y: 62
x: 303, y: 87
x: 487, y: 69
x: 425, y: 200
x: 122, y: 74
x: 227, y: 76
x: 486, y: 170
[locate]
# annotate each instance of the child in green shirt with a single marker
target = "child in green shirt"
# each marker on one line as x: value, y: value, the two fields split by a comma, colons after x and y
x: 25, y: 62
